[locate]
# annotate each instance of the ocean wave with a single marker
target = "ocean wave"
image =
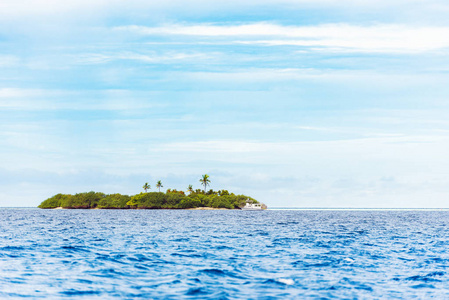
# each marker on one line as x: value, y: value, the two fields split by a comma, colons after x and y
x: 223, y: 254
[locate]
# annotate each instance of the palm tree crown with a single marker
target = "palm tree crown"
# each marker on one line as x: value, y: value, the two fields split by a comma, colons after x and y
x: 190, y: 188
x: 205, y: 181
x: 159, y: 185
x: 146, y: 186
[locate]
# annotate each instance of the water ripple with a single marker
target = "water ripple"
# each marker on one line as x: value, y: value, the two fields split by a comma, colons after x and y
x: 145, y: 254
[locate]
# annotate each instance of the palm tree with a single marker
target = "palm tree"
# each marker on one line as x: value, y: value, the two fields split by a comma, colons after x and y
x: 205, y: 181
x: 190, y: 189
x: 159, y: 185
x: 146, y: 186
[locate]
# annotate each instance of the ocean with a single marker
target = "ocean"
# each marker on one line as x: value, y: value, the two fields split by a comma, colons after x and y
x: 224, y: 254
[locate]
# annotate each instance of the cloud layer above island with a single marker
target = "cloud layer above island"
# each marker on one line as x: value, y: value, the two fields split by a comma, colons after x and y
x: 297, y: 103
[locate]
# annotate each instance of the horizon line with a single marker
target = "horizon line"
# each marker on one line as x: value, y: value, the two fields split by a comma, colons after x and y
x: 311, y: 208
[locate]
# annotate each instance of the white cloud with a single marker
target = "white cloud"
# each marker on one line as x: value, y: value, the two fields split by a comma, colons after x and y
x: 404, y: 152
x: 53, y: 99
x: 215, y: 146
x: 169, y: 57
x: 337, y: 37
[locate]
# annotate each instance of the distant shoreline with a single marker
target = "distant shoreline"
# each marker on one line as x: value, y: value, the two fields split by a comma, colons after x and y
x: 287, y: 208
x: 172, y: 199
x: 195, y: 208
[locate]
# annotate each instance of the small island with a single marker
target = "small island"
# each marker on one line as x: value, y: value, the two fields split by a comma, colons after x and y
x: 171, y: 199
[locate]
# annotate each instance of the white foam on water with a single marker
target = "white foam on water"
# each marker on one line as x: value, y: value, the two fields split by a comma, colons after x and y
x: 286, y: 281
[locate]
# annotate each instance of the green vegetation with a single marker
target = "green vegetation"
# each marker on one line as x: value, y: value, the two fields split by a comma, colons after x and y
x: 172, y: 199
x: 81, y: 200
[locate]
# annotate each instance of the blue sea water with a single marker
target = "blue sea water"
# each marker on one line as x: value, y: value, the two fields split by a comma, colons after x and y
x: 175, y: 254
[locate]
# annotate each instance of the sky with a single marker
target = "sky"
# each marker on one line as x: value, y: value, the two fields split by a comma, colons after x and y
x: 297, y: 103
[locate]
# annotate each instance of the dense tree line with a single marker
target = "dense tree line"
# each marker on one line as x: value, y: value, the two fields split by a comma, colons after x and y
x: 172, y: 199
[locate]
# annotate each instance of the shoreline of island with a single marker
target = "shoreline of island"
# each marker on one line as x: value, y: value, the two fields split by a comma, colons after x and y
x: 171, y: 199
x: 194, y: 208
